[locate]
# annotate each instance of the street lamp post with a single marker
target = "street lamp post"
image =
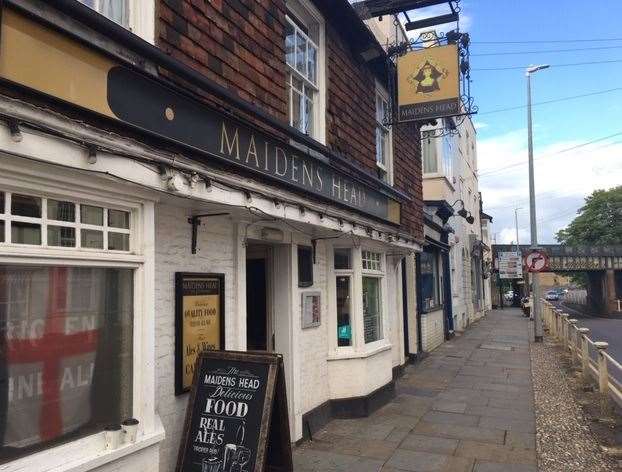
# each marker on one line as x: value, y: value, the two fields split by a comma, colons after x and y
x: 537, y: 312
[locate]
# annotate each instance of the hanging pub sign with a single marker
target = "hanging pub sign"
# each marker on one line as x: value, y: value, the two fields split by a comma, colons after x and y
x: 50, y: 62
x: 237, y: 417
x: 428, y: 83
x: 199, y: 322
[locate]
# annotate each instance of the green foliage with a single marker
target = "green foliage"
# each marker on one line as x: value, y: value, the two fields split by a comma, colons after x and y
x: 599, y: 221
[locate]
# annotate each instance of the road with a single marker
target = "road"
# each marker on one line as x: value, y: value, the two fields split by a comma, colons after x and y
x: 602, y: 329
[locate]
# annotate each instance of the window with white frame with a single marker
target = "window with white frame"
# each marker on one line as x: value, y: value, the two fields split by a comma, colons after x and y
x: 359, y: 295
x: 372, y: 296
x: 430, y: 280
x: 67, y: 329
x: 137, y: 16
x: 115, y: 10
x: 384, y: 145
x: 429, y: 152
x: 303, y: 37
x: 48, y: 222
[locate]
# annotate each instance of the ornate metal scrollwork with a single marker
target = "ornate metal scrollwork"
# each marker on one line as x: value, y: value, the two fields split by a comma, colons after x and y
x: 433, y: 39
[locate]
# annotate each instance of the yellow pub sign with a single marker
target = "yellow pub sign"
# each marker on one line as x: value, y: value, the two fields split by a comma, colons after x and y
x: 429, y: 83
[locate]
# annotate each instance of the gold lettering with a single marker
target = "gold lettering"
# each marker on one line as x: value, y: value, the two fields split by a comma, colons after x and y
x: 319, y: 179
x: 252, y: 151
x: 224, y: 136
x: 280, y: 153
x: 294, y: 169
x: 337, y: 186
x: 306, y: 175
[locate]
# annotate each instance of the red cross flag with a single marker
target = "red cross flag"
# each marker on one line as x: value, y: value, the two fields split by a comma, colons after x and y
x: 51, y: 352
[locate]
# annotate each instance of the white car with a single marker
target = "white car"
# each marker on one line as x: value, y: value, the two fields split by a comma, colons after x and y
x: 551, y: 296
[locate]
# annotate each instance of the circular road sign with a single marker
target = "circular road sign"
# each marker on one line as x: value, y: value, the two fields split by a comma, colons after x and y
x: 536, y: 261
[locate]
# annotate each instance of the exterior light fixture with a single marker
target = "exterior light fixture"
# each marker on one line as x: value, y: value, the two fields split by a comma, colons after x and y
x: 92, y: 155
x: 16, y: 134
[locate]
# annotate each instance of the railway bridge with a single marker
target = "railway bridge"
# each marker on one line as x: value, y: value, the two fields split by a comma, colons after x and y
x: 602, y: 264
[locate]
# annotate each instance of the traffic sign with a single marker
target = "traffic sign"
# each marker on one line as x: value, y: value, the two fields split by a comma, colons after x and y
x: 536, y: 261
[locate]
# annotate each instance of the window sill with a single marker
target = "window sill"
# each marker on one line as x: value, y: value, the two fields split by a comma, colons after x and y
x: 371, y: 350
x: 82, y: 455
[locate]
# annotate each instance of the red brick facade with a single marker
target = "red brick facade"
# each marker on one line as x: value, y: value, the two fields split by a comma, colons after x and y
x: 240, y: 45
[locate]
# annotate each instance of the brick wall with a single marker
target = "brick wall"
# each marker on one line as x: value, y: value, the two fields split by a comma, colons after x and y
x: 240, y: 45
x: 237, y: 43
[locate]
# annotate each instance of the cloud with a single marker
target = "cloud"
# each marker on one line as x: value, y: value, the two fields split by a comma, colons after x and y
x: 480, y: 125
x: 563, y: 178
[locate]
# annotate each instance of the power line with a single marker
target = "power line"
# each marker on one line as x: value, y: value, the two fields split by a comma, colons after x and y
x: 519, y: 107
x: 573, y: 64
x: 542, y: 51
x: 518, y: 164
x: 539, y: 41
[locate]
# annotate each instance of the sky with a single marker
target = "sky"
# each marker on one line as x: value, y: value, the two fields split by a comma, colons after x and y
x: 564, y: 173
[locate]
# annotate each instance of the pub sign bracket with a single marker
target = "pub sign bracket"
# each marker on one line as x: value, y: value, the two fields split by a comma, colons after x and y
x: 195, y: 221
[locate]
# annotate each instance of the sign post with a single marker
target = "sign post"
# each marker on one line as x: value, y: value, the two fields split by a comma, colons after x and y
x: 237, y: 417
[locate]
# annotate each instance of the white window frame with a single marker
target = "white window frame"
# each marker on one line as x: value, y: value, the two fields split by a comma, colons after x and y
x: 44, y: 222
x: 90, y: 451
x: 304, y: 11
x: 358, y: 349
x: 387, y: 167
x: 141, y: 18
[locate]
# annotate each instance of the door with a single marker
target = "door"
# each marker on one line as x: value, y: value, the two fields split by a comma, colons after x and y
x: 259, y: 336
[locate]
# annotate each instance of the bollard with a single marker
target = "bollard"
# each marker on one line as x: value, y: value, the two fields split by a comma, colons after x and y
x: 563, y: 317
x: 572, y: 325
x: 603, y: 377
x: 585, y: 355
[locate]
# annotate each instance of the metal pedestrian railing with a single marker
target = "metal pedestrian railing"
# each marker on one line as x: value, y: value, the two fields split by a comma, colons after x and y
x: 591, y: 356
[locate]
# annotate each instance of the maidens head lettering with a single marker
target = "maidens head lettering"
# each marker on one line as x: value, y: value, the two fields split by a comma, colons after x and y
x: 261, y: 154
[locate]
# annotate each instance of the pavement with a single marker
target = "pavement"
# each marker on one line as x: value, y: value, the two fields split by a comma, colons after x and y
x: 467, y: 407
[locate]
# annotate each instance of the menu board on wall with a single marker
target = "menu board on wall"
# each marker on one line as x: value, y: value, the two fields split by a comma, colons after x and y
x: 199, y: 322
x: 237, y: 415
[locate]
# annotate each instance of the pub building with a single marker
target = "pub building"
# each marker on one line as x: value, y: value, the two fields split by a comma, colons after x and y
x: 181, y: 175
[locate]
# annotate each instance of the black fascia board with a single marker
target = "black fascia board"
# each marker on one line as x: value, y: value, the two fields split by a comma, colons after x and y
x: 389, y: 7
x: 130, y: 41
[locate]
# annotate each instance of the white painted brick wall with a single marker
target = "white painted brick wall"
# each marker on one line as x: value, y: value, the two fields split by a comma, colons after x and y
x: 314, y: 341
x: 173, y: 254
x: 432, y: 332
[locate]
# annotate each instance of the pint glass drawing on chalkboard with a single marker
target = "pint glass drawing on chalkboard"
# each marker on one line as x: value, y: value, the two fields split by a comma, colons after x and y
x: 227, y: 400
x: 237, y: 415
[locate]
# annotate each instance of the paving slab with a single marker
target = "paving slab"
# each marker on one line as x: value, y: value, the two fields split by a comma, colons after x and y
x: 461, y: 409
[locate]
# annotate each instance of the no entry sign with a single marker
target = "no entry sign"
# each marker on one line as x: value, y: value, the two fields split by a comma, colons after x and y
x: 536, y: 261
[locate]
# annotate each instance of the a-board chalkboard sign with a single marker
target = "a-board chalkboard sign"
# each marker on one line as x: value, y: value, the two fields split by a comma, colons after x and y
x: 237, y: 415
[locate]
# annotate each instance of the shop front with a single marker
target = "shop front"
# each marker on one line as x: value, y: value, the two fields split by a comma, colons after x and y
x: 127, y: 248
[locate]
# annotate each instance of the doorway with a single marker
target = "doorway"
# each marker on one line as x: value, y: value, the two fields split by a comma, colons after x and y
x: 259, y: 333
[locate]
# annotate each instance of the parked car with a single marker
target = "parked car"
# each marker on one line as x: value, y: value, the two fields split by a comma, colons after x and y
x: 552, y: 296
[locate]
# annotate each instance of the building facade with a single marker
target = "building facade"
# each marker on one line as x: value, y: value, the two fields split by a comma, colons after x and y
x: 244, y: 141
x: 450, y: 188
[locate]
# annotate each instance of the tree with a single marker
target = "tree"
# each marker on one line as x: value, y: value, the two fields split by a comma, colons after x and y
x: 599, y: 222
